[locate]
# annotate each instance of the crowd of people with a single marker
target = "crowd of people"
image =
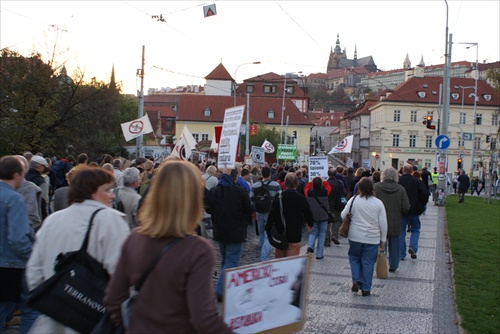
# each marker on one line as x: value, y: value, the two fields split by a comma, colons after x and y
x: 46, y: 204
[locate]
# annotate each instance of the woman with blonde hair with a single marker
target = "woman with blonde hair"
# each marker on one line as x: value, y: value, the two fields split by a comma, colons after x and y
x: 177, y: 296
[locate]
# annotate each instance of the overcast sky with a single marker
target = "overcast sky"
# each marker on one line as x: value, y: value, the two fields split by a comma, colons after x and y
x: 286, y: 36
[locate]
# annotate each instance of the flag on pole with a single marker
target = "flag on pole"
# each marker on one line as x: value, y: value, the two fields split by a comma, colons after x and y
x: 184, y: 145
x: 137, y: 127
x: 215, y: 145
x: 268, y: 147
x: 345, y: 146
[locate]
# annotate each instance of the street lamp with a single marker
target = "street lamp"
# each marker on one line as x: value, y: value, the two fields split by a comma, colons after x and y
x: 283, y: 104
x: 234, y: 90
x: 475, y: 105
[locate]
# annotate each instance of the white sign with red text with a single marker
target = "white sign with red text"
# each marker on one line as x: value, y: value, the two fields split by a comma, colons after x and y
x: 228, y: 144
x: 266, y: 295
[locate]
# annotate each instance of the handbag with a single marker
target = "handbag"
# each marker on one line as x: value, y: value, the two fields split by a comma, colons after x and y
x: 381, y: 264
x: 344, y: 227
x: 278, y: 239
x: 74, y: 295
x: 331, y: 216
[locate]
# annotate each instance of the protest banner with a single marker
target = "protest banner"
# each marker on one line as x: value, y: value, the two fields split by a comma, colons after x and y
x: 267, y: 296
x: 286, y: 152
x: 228, y: 144
x: 318, y: 166
x: 258, y: 156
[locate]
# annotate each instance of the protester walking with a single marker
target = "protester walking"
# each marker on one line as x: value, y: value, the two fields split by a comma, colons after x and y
x: 463, y: 186
x: 64, y: 231
x: 367, y: 231
x: 317, y: 192
x: 177, y: 296
x: 336, y: 203
x: 396, y: 203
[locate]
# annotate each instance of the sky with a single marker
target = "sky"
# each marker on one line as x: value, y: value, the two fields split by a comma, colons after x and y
x: 285, y: 36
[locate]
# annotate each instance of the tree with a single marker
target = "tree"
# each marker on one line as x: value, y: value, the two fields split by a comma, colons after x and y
x: 263, y: 132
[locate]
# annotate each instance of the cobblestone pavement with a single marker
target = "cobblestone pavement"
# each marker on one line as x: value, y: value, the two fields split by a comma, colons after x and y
x: 417, y: 298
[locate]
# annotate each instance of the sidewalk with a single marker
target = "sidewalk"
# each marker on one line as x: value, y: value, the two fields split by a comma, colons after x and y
x: 417, y: 298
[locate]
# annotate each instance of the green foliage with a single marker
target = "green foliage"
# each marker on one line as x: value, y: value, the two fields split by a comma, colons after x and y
x: 43, y: 111
x: 263, y: 132
x: 474, y: 235
x: 494, y: 76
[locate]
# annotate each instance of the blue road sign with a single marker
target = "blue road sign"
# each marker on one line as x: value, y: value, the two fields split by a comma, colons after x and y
x: 442, y: 142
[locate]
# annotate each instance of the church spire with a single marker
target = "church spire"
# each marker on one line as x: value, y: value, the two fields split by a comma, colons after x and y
x: 355, y: 51
x: 422, y: 64
x: 407, y: 63
x: 337, y: 45
x: 112, y: 82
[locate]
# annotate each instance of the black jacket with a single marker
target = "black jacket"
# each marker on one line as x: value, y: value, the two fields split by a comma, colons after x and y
x: 296, y: 211
x: 418, y: 195
x: 338, y: 190
x: 231, y: 210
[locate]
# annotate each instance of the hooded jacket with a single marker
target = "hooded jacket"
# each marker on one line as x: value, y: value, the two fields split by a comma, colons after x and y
x: 396, y: 203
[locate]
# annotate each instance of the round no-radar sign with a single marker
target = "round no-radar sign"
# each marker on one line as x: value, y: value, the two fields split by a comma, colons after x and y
x: 377, y: 156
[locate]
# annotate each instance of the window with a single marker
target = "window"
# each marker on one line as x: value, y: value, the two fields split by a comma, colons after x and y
x: 397, y: 115
x: 250, y: 88
x: 477, y: 143
x: 413, y: 140
x: 204, y: 136
x: 270, y: 114
x: 428, y: 163
x: 428, y: 141
x: 196, y: 137
x: 462, y: 118
x: 289, y: 89
x: 207, y: 112
x: 493, y: 144
x: 395, y: 140
x: 169, y: 125
x: 269, y: 89
x: 479, y: 119
x: 494, y: 120
x: 413, y: 116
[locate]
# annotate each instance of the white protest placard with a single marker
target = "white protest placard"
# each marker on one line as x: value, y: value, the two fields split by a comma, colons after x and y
x: 258, y: 156
x: 318, y: 166
x: 229, y: 136
x: 267, y: 295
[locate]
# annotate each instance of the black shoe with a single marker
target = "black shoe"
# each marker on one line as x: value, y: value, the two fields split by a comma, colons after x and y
x: 401, y: 259
x: 412, y: 252
x: 335, y: 241
x: 327, y: 245
x: 355, y: 286
x: 365, y: 293
x: 319, y: 258
x: 310, y: 250
x: 219, y: 299
x: 392, y: 270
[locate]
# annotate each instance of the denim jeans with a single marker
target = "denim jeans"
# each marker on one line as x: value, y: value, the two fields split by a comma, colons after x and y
x: 6, y: 310
x: 414, y: 222
x: 28, y: 315
x: 264, y: 245
x: 362, y: 258
x: 392, y: 246
x: 230, y: 259
x: 318, y: 232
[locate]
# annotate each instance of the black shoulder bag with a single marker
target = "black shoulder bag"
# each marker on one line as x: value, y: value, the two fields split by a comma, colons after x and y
x: 73, y: 295
x: 331, y: 216
x: 278, y: 239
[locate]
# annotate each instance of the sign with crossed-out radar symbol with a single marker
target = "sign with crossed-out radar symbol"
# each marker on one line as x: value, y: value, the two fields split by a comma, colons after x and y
x: 258, y: 155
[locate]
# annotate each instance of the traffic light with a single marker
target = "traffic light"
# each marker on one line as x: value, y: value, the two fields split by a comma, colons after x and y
x: 428, y: 122
x: 295, y: 134
x: 459, y: 163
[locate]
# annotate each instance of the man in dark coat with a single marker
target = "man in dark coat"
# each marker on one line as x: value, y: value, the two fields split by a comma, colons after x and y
x: 336, y: 206
x: 229, y: 205
x: 463, y: 186
x: 296, y: 211
x: 418, y: 195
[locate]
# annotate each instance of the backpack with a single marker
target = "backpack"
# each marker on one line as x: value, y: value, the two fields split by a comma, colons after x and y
x: 60, y: 169
x: 262, y: 198
x: 117, y: 202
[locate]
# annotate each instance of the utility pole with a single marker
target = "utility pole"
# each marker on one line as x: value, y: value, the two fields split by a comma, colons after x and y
x: 140, y: 73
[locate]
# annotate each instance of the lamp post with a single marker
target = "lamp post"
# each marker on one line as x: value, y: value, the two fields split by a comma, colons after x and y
x: 283, y: 104
x: 234, y: 89
x: 475, y: 107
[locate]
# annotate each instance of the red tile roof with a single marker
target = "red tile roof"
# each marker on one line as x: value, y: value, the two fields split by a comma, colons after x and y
x: 219, y: 73
x: 426, y: 90
x: 164, y: 111
x: 191, y: 108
